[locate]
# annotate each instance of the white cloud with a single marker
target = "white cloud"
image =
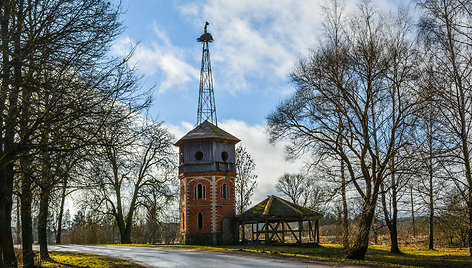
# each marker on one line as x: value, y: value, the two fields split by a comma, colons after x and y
x: 269, y: 159
x: 160, y: 56
x: 256, y: 42
x: 256, y: 39
x: 259, y: 39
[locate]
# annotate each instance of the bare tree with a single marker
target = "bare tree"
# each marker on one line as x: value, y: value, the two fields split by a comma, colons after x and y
x: 348, y: 81
x: 246, y: 180
x: 292, y: 185
x: 135, y: 158
x: 445, y: 29
x: 302, y: 190
x: 55, y: 72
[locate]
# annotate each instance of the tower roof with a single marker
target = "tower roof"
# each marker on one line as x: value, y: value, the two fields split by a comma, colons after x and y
x: 207, y: 131
x: 274, y: 207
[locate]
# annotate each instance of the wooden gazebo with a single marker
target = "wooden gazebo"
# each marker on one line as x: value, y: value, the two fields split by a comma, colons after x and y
x: 278, y: 221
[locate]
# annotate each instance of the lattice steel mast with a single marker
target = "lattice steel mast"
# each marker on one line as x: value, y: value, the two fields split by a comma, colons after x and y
x: 206, y: 97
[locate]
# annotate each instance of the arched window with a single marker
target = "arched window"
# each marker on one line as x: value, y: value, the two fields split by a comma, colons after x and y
x: 200, y: 220
x: 224, y: 189
x: 200, y: 191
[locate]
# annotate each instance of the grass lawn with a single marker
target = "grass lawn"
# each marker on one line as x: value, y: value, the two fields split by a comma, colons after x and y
x: 377, y: 255
x: 74, y: 259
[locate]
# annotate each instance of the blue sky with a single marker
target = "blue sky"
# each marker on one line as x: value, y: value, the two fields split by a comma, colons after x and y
x: 256, y: 46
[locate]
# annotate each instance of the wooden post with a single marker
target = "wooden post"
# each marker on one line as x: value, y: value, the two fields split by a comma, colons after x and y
x: 244, y: 237
x: 283, y: 232
x: 266, y: 236
x: 317, y: 231
x: 257, y: 230
x: 311, y: 236
x: 300, y: 228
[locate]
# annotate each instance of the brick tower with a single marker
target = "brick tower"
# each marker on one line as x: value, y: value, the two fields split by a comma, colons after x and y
x: 207, y: 172
x: 207, y: 168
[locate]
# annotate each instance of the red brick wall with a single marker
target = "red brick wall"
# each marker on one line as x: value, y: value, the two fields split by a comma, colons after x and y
x: 224, y: 207
x: 192, y: 219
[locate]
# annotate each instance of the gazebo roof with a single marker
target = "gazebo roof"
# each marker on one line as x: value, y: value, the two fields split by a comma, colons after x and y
x: 276, y: 208
x: 207, y: 131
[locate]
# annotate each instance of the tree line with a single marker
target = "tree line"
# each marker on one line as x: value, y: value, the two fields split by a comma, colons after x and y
x: 73, y: 120
x: 383, y: 105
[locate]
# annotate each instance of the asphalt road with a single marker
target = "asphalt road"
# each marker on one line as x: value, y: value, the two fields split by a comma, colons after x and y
x: 173, y: 257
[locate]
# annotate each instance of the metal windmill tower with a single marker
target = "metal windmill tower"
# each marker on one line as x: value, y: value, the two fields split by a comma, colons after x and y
x: 206, y: 96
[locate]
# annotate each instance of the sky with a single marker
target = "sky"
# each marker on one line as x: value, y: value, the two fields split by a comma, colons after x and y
x: 256, y: 45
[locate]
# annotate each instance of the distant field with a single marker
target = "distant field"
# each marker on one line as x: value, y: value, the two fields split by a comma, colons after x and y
x: 377, y: 255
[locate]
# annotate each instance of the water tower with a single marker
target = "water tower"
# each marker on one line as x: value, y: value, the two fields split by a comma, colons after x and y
x: 207, y: 168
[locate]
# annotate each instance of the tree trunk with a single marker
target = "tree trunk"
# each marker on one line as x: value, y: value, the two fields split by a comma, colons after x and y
x: 18, y: 219
x: 468, y: 174
x: 345, y: 214
x: 5, y: 78
x: 3, y: 217
x: 359, y: 249
x: 126, y: 237
x: 394, y: 238
x: 393, y: 231
x: 25, y: 160
x: 430, y: 180
x: 431, y: 212
x: 121, y: 222
x: 61, y: 210
x: 470, y: 222
x: 391, y: 222
x: 8, y: 129
x: 43, y: 223
x: 9, y: 258
x: 412, y: 212
x: 26, y: 221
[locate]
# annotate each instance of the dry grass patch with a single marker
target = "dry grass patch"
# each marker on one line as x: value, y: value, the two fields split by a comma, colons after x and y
x: 75, y: 259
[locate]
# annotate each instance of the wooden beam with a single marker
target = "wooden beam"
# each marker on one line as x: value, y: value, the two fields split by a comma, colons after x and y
x: 283, y: 232
x: 274, y: 231
x: 259, y: 232
x: 293, y: 233
x: 266, y: 232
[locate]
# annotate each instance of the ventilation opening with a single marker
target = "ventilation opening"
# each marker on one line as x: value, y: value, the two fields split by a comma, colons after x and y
x: 224, y: 156
x: 198, y: 155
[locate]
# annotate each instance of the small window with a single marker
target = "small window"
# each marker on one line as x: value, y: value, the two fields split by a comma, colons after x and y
x: 198, y: 155
x: 224, y: 156
x: 200, y: 191
x: 200, y: 220
x: 224, y: 189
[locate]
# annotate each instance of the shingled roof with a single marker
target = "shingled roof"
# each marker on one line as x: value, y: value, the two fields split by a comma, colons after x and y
x: 276, y: 208
x: 207, y: 131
